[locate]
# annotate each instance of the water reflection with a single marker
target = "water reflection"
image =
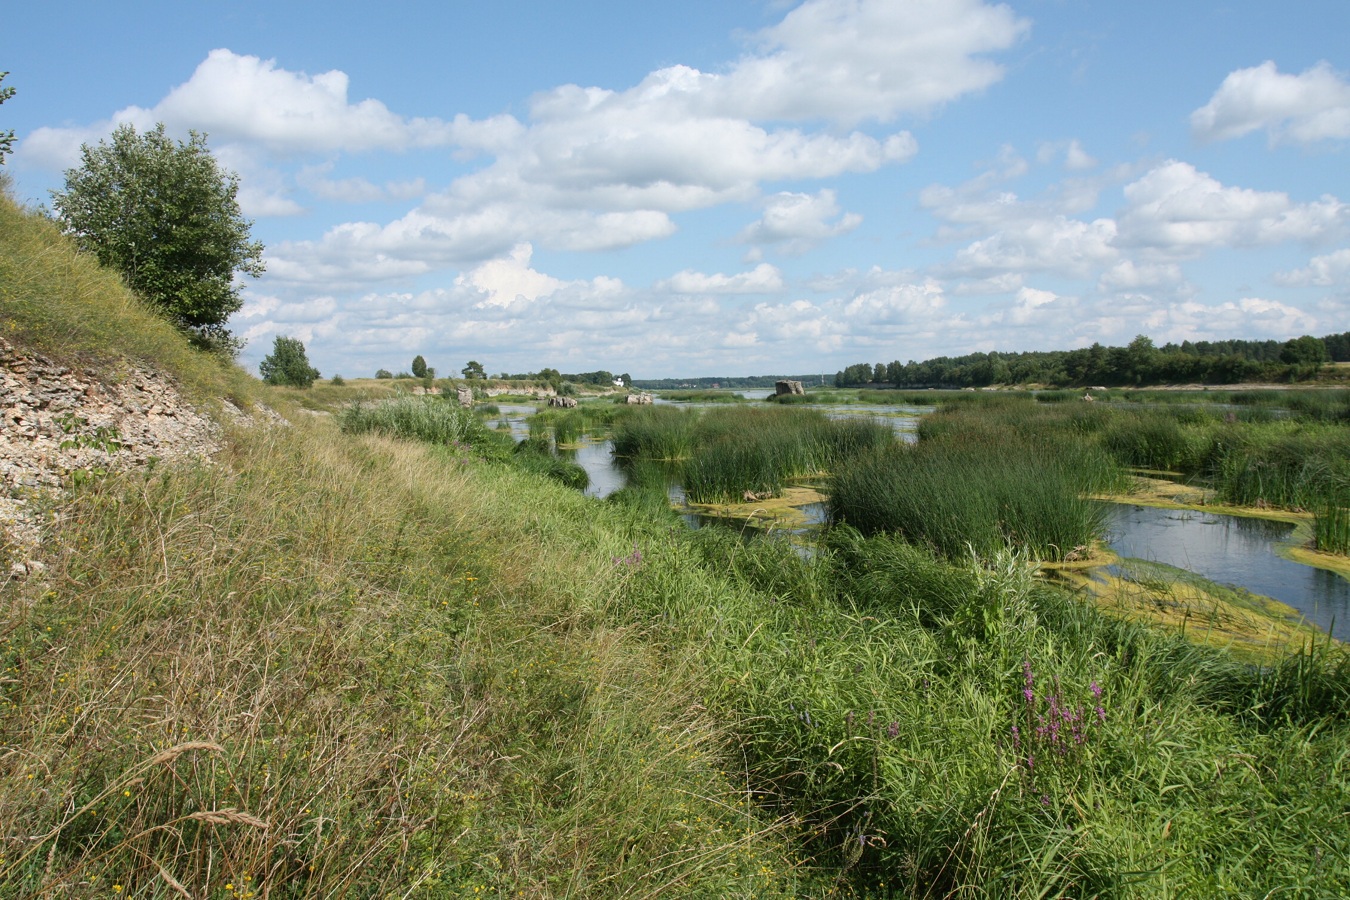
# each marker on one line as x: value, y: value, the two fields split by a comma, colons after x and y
x: 1232, y: 550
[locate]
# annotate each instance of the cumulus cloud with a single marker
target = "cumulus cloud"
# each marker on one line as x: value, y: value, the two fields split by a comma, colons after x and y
x: 1029, y: 307
x: 1130, y: 275
x: 239, y: 98
x: 509, y: 280
x: 421, y: 242
x: 317, y: 180
x: 1179, y: 211
x: 849, y: 60
x: 763, y: 279
x: 1303, y: 109
x: 1256, y: 317
x: 1323, y: 271
x: 796, y: 223
x: 245, y: 98
x: 1058, y: 244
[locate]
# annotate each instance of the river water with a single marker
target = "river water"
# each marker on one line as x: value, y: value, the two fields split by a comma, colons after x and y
x: 1229, y: 550
x: 1236, y: 551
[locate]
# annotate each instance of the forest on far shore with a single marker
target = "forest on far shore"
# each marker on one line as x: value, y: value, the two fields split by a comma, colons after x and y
x: 1140, y: 363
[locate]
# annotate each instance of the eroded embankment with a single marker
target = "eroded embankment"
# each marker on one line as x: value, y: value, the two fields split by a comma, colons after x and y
x: 59, y: 424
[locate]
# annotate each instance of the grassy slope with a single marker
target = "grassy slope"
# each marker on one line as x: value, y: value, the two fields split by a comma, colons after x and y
x: 338, y: 666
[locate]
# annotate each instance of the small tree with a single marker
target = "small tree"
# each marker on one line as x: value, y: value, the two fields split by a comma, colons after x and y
x: 383, y: 373
x: 419, y: 366
x: 6, y: 137
x: 474, y: 370
x: 165, y: 216
x: 288, y: 364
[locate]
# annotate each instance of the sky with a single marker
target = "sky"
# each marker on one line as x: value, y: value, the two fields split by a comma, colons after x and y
x: 732, y: 187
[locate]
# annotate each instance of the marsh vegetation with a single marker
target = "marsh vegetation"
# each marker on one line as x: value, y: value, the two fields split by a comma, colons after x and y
x: 367, y: 655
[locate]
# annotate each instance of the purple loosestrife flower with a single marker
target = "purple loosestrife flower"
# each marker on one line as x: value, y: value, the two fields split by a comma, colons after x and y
x: 894, y: 730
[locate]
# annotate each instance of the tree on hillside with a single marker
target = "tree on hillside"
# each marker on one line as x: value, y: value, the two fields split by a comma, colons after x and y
x: 166, y: 216
x: 474, y: 370
x: 6, y: 137
x: 419, y: 366
x: 288, y: 364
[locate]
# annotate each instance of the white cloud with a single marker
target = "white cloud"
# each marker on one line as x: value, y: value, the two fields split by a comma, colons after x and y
x: 1030, y: 307
x: 1058, y: 244
x: 1254, y: 317
x: 1306, y: 108
x: 243, y: 98
x: 509, y: 279
x: 1323, y: 271
x: 1130, y: 275
x: 798, y: 222
x: 316, y: 180
x: 850, y: 60
x: 1179, y: 211
x: 763, y: 279
x: 422, y: 242
x: 237, y: 98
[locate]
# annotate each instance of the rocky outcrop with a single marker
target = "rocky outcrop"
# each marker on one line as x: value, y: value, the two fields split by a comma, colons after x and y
x: 643, y: 399
x: 565, y: 402
x: 787, y: 387
x: 59, y: 424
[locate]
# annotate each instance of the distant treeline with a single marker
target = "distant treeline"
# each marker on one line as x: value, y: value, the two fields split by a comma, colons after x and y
x: 1140, y: 363
x: 726, y: 381
x: 553, y: 376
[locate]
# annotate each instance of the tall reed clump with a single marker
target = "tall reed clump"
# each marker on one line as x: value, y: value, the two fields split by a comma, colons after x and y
x: 957, y: 499
x: 655, y: 432
x: 422, y: 418
x: 986, y: 474
x: 757, y: 451
x: 1165, y: 439
x: 1283, y: 464
x: 1331, y: 522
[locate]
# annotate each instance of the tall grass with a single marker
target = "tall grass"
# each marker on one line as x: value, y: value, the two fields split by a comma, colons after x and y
x: 962, y: 731
x: 1331, y: 523
x: 757, y: 451
x: 331, y: 667
x: 1284, y: 464
x: 423, y: 418
x: 958, y: 499
x: 58, y: 302
x: 655, y: 432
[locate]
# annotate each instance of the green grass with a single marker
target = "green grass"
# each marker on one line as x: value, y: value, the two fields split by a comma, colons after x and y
x: 339, y: 664
x: 424, y: 418
x: 655, y: 432
x: 61, y: 304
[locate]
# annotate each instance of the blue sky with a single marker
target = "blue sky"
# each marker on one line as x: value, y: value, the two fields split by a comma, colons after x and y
x: 729, y: 187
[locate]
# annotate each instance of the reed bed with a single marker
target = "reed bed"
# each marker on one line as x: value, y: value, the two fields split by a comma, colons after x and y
x: 957, y: 499
x: 655, y: 432
x: 758, y: 451
x: 1331, y: 523
x: 1284, y: 465
x: 429, y: 419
